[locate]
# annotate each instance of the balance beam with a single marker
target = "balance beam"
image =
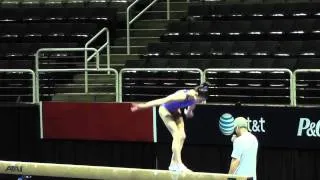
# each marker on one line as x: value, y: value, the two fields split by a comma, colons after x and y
x: 107, y: 173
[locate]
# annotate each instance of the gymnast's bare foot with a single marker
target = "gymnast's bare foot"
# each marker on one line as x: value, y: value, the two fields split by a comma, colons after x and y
x: 183, y: 168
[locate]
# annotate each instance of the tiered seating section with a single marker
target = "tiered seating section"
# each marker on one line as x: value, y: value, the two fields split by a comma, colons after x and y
x: 26, y: 26
x: 24, y: 30
x: 151, y: 84
x: 308, y: 85
x: 278, y: 35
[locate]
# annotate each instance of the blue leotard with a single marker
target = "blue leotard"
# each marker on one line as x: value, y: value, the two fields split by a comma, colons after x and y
x: 175, y: 105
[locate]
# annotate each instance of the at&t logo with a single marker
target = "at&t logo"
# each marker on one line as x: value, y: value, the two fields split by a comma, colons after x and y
x: 254, y: 125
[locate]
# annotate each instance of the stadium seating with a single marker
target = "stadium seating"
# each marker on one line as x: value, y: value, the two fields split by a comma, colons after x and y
x: 28, y: 25
x: 242, y: 35
x: 26, y: 29
x: 235, y: 49
x: 275, y: 10
x: 279, y: 29
x: 144, y: 85
x: 308, y: 86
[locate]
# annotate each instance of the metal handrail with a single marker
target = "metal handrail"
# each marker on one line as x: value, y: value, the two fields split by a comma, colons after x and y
x: 259, y: 69
x: 34, y: 99
x: 168, y: 9
x: 294, y: 80
x: 155, y: 69
x: 107, y: 43
x: 66, y: 50
x: 129, y: 22
x: 86, y: 71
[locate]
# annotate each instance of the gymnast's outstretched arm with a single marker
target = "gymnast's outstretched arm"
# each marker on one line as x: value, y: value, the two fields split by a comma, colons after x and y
x: 178, y: 96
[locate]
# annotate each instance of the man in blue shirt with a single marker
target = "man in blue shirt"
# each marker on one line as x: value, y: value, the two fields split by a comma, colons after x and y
x: 245, y: 149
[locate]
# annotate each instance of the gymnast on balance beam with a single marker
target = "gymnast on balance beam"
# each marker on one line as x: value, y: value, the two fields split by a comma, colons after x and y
x: 171, y: 115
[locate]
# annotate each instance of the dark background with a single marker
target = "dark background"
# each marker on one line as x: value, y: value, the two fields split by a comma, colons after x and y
x: 281, y: 125
x: 20, y: 142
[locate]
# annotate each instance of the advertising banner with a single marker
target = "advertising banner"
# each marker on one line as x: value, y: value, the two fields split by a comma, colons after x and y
x: 96, y: 121
x: 290, y: 127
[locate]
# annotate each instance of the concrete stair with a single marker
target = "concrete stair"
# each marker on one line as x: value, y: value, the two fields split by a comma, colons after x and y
x: 101, y: 89
x: 155, y: 14
x: 175, y: 5
x: 141, y: 32
x: 91, y: 97
x: 136, y: 41
x: 118, y: 60
x: 147, y: 29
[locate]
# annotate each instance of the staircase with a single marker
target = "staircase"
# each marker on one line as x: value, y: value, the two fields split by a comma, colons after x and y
x: 147, y: 29
x: 101, y: 87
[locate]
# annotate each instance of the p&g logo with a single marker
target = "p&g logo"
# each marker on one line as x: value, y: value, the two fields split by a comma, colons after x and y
x: 311, y: 129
